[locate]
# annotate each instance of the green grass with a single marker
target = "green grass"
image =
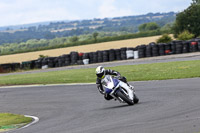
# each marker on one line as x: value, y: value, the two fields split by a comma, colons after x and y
x: 156, y: 71
x: 8, y: 120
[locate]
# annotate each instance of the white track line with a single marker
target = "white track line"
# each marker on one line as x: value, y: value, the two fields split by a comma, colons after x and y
x: 71, y: 84
x: 35, y: 120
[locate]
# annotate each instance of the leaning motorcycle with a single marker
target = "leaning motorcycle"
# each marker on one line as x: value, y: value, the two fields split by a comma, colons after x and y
x: 114, y: 88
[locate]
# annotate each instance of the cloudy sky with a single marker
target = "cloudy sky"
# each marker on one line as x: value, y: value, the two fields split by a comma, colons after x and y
x: 13, y: 12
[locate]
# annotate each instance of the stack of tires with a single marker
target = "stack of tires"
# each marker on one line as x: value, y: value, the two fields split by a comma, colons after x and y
x: 168, y: 49
x: 155, y: 49
x: 161, y: 49
x: 61, y: 61
x: 199, y: 44
x: 123, y: 53
x: 149, y: 51
x: 27, y: 64
x: 179, y: 47
x: 38, y: 63
x: 99, y: 56
x: 95, y: 57
x: 118, y: 54
x: 74, y: 58
x: 142, y: 51
x: 44, y: 62
x: 66, y: 59
x: 193, y: 46
x: 86, y: 58
x: 130, y: 53
x: 80, y: 59
x: 135, y: 51
x: 111, y: 55
x: 186, y: 46
x: 173, y: 47
x: 105, y: 56
x: 5, y: 68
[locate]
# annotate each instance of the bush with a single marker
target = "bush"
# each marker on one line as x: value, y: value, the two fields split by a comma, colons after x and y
x: 186, y: 35
x: 164, y: 39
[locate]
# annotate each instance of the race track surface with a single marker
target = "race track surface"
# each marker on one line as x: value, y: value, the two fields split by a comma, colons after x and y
x: 171, y: 106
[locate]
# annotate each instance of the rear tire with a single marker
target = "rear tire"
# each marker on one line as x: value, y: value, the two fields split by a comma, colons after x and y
x: 124, y: 98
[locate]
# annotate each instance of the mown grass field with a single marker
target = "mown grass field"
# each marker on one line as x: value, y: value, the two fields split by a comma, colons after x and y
x: 85, y: 48
x: 143, y: 72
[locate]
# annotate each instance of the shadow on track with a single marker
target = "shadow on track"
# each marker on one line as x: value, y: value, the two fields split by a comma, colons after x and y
x: 115, y: 107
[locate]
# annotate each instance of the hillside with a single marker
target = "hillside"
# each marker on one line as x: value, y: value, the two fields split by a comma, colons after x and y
x: 50, y: 30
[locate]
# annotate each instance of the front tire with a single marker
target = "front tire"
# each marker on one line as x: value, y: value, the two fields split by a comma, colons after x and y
x: 124, y: 98
x: 136, y: 99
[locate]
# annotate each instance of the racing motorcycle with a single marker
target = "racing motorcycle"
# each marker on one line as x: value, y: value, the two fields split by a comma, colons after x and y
x: 118, y: 90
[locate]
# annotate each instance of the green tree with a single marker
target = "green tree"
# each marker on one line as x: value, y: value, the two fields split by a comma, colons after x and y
x: 95, y: 34
x: 186, y: 35
x: 188, y: 20
x: 74, y: 39
x: 196, y: 1
x: 164, y: 39
x: 149, y: 26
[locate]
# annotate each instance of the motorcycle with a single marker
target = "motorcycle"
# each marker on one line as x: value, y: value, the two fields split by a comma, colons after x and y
x: 118, y: 90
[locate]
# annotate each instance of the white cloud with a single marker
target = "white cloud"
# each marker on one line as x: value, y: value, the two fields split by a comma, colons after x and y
x: 109, y: 9
x: 27, y: 11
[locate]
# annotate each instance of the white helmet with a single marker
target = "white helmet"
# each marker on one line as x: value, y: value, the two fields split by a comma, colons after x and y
x: 100, y: 72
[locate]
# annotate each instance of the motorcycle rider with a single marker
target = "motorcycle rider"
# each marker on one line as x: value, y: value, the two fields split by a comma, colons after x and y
x: 101, y: 72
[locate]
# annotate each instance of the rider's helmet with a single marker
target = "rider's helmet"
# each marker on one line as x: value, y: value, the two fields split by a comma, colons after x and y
x: 100, y: 72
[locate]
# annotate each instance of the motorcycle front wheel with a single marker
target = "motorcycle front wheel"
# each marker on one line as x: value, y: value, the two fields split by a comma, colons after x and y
x: 124, y: 98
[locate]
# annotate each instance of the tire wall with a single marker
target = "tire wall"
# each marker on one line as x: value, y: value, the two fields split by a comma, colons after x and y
x: 75, y: 58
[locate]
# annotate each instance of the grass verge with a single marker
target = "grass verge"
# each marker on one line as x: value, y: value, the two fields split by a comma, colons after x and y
x: 143, y: 72
x: 12, y: 121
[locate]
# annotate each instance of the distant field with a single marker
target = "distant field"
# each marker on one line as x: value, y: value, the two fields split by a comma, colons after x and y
x: 85, y: 48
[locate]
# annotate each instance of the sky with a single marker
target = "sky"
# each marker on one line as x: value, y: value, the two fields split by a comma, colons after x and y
x: 14, y: 12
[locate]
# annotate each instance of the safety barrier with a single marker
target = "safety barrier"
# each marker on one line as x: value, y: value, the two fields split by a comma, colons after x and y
x: 75, y: 58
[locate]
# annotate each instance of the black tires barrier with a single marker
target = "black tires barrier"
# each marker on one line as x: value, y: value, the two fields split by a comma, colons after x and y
x: 179, y: 47
x: 67, y: 59
x: 199, y: 45
x: 173, y: 47
x: 161, y: 49
x: 61, y: 61
x: 99, y: 56
x: 86, y: 56
x: 38, y: 63
x: 95, y: 56
x: 168, y: 49
x: 26, y: 65
x: 74, y: 58
x: 111, y: 55
x: 123, y: 53
x: 155, y: 49
x: 130, y: 53
x: 186, y: 46
x: 193, y: 46
x: 105, y: 56
x: 118, y: 54
x: 91, y: 57
x: 141, y: 51
x: 148, y: 51
x: 5, y: 68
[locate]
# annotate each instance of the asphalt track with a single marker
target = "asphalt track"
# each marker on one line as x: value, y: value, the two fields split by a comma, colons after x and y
x: 170, y: 106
